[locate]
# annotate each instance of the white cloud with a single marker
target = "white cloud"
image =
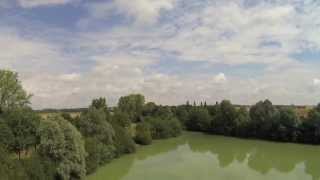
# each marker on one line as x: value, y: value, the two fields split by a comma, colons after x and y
x: 223, y: 33
x: 142, y: 11
x: 117, y: 61
x: 36, y: 3
x: 20, y: 52
x: 220, y: 78
x: 231, y: 34
x: 316, y: 82
x: 111, y: 76
x: 70, y: 77
x: 117, y: 75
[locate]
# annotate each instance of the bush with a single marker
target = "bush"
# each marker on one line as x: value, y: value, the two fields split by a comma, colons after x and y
x: 164, y: 128
x: 6, y: 164
x: 6, y: 136
x: 62, y: 143
x: 143, y: 134
x: 123, y: 141
x: 242, y: 122
x: 310, y: 129
x: 93, y: 123
x: 97, y: 154
x: 199, y: 119
x: 263, y: 115
x: 121, y: 119
x: 224, y: 121
x: 37, y: 168
x: 285, y: 129
x: 93, y: 157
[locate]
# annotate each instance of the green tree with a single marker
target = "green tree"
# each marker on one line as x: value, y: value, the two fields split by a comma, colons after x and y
x: 93, y: 123
x: 99, y: 103
x: 263, y: 114
x: 62, y: 143
x: 73, y: 166
x: 213, y: 109
x: 94, y: 149
x: 37, y: 168
x: 23, y: 123
x: 123, y: 141
x: 287, y: 125
x: 67, y: 116
x: 242, y: 122
x: 12, y: 93
x: 133, y: 105
x: 52, y: 140
x: 224, y: 121
x: 97, y: 154
x: 100, y: 137
x: 6, y: 164
x: 182, y: 114
x: 164, y: 128
x: 149, y: 109
x: 121, y: 118
x: 6, y: 136
x: 310, y: 128
x: 199, y: 119
x: 163, y: 112
x: 143, y: 134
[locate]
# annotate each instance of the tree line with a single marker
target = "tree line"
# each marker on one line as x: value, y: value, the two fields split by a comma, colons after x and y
x: 62, y: 147
x: 261, y: 121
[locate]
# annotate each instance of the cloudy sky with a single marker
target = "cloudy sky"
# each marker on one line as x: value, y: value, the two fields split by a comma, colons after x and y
x: 70, y: 51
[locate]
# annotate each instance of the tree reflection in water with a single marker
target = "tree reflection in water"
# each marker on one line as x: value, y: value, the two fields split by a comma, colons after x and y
x: 261, y: 156
x: 225, y: 153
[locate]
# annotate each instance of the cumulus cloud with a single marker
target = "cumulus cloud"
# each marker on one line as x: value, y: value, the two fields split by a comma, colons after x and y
x: 111, y: 76
x: 316, y: 82
x: 220, y: 78
x: 233, y: 34
x: 36, y: 3
x: 253, y: 44
x: 19, y: 52
x: 142, y: 11
x: 226, y: 32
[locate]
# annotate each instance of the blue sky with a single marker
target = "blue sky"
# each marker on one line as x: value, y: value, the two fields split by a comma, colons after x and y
x: 70, y: 51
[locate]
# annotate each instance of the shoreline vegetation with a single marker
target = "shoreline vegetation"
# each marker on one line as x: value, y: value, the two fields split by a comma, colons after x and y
x: 66, y: 146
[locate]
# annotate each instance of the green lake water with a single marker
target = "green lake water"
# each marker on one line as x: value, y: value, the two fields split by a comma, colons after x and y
x: 195, y: 156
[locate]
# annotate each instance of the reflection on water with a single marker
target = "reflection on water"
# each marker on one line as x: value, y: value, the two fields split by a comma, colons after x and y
x: 205, y: 157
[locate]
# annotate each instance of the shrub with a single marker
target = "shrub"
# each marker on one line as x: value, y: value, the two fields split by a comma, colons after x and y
x: 143, y: 134
x: 62, y: 143
x: 164, y: 128
x: 123, y: 141
x: 199, y: 119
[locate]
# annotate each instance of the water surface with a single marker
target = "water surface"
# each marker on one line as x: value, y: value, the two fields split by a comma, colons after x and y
x: 195, y: 156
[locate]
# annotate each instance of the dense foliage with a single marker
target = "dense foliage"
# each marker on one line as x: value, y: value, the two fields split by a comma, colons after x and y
x: 64, y: 147
x: 12, y: 94
x: 164, y: 128
x: 62, y: 143
x: 132, y: 105
x: 22, y: 123
x: 262, y: 120
x: 143, y: 134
